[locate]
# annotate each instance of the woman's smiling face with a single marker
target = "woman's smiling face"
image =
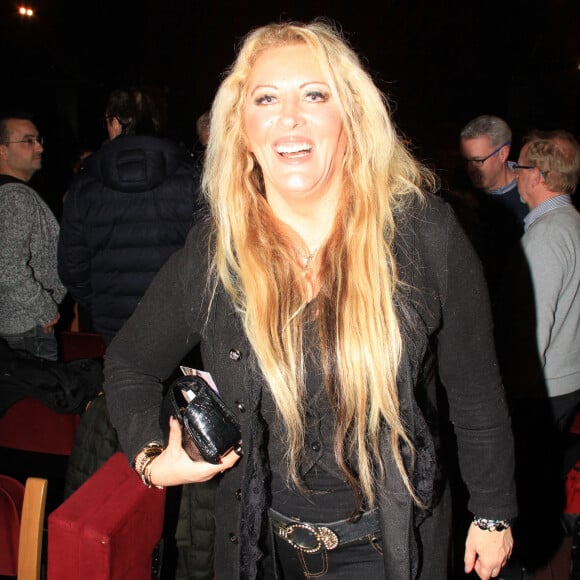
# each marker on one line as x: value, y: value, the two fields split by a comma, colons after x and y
x: 293, y: 125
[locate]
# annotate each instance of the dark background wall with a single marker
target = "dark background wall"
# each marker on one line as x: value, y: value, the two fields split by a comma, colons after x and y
x: 441, y: 63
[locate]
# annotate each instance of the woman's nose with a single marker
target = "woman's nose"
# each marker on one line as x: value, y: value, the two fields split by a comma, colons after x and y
x: 290, y: 115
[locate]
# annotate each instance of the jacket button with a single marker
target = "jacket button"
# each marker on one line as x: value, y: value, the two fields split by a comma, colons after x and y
x: 239, y: 494
x: 233, y: 538
x: 241, y: 407
x: 235, y: 354
x: 315, y: 446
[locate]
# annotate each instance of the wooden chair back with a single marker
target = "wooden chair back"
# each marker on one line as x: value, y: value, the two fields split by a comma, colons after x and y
x: 22, y: 511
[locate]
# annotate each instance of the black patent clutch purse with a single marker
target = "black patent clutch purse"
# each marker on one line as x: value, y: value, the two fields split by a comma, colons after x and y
x: 209, y: 428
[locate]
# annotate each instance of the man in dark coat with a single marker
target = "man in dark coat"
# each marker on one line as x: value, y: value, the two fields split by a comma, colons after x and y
x: 126, y: 212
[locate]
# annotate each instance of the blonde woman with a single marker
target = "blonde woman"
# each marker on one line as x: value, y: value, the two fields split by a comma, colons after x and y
x: 321, y: 289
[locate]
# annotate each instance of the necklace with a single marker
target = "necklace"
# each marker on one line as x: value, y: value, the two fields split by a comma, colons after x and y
x: 306, y: 260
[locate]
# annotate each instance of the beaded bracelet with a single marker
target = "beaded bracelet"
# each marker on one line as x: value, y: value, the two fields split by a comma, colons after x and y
x: 491, y: 525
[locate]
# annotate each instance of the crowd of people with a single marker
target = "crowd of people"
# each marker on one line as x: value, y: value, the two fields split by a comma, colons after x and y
x: 347, y: 307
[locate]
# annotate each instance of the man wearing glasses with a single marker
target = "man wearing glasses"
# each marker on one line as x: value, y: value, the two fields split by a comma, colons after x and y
x: 30, y: 289
x: 541, y: 335
x: 485, y: 146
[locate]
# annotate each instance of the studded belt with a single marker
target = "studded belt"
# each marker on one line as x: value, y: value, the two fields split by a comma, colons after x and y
x: 310, y: 538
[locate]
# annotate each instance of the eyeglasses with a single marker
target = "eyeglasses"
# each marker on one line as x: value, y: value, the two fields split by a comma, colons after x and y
x: 517, y: 167
x: 106, y: 120
x: 30, y: 141
x: 480, y: 162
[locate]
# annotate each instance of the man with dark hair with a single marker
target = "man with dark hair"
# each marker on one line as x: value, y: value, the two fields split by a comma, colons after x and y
x: 30, y: 289
x: 133, y: 112
x: 126, y: 213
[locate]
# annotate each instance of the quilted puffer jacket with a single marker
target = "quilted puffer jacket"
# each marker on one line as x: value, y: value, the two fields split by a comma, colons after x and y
x: 124, y: 215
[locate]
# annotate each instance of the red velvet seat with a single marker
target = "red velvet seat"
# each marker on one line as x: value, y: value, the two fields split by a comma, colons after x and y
x: 76, y: 345
x: 108, y: 528
x: 29, y: 425
x: 11, y: 498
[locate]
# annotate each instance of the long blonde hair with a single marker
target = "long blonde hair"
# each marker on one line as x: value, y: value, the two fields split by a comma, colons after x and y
x: 359, y: 331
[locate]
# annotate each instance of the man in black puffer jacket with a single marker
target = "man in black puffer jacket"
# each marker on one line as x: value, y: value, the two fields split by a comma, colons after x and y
x: 127, y: 211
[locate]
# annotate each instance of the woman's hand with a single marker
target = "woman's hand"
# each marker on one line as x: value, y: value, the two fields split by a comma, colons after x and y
x: 174, y: 467
x: 487, y: 552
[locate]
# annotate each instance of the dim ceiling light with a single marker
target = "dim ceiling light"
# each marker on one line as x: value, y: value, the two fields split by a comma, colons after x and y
x: 24, y: 11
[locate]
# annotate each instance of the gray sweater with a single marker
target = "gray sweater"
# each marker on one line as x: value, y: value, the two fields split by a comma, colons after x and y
x: 552, y: 249
x: 30, y: 288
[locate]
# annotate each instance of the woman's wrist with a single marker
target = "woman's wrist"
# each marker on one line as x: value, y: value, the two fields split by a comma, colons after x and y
x: 491, y: 525
x: 144, y: 460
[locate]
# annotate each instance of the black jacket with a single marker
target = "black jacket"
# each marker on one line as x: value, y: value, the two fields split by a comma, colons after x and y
x: 123, y: 216
x: 445, y: 314
x: 64, y: 387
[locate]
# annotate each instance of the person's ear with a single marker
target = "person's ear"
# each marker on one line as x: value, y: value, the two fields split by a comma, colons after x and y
x: 539, y: 177
x: 504, y: 153
x: 115, y: 128
x: 118, y: 128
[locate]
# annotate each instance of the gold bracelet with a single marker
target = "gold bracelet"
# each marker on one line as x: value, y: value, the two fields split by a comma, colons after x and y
x: 143, y: 460
x: 147, y: 473
x: 150, y: 448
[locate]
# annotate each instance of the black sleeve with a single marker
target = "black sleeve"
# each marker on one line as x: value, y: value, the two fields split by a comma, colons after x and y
x: 163, y: 329
x: 469, y: 371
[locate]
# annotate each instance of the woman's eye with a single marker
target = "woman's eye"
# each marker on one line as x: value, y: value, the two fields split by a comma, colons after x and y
x: 264, y: 100
x: 317, y: 96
